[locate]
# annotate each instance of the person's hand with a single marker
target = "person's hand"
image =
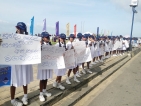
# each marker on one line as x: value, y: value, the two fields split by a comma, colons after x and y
x: 41, y: 41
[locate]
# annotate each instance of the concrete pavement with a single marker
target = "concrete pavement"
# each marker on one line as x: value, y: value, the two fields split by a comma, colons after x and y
x: 123, y: 88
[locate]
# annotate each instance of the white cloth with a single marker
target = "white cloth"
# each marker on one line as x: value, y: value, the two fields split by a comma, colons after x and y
x: 60, y: 72
x: 21, y: 75
x: 45, y: 74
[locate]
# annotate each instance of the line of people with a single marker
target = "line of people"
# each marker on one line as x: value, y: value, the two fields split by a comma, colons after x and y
x: 101, y: 48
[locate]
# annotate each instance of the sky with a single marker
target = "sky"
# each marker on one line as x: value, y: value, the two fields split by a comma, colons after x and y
x: 113, y: 16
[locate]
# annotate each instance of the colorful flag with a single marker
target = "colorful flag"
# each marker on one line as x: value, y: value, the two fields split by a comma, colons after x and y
x: 97, y: 31
x: 68, y: 29
x: 32, y: 26
x: 75, y: 30
x: 44, y: 25
x: 57, y: 28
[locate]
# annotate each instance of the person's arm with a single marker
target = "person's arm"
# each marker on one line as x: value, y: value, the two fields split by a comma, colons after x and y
x: 0, y: 41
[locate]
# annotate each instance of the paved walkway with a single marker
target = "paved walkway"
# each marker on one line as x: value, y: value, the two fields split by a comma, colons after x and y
x: 123, y: 88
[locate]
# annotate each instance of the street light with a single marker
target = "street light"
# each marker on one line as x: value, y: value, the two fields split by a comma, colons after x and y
x: 134, y: 3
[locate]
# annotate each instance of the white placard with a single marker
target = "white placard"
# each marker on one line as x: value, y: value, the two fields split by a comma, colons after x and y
x: 69, y: 58
x: 84, y: 56
x: 79, y: 45
x: 19, y: 49
x: 52, y: 58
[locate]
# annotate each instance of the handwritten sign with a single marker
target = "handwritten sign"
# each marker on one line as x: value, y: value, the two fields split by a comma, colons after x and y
x: 79, y: 45
x: 69, y: 58
x: 18, y: 49
x: 52, y: 58
x: 5, y: 75
x: 84, y: 56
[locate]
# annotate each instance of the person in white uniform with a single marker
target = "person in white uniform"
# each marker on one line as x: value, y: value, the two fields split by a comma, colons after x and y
x: 107, y: 46
x: 110, y: 45
x: 44, y: 74
x: 91, y: 43
x: 79, y: 38
x: 101, y: 49
x: 21, y: 75
x: 95, y: 51
x: 120, y: 45
x: 60, y: 72
x: 124, y: 46
x: 115, y: 46
x: 85, y: 38
x: 69, y: 47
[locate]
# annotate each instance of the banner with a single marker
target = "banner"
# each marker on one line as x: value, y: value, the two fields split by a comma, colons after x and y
x: 97, y: 31
x: 32, y: 26
x: 19, y: 49
x: 75, y: 30
x: 44, y: 25
x: 52, y: 58
x: 5, y: 75
x: 84, y: 56
x: 68, y: 29
x: 69, y: 58
x: 57, y: 28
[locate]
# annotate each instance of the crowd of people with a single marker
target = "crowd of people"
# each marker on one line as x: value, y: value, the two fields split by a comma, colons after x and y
x: 102, y: 47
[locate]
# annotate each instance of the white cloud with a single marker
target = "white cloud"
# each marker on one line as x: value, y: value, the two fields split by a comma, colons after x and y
x: 124, y: 4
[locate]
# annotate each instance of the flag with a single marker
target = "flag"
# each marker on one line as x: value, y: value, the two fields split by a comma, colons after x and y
x: 97, y: 31
x: 68, y: 27
x: 57, y: 28
x: 44, y: 25
x: 32, y: 26
x: 75, y: 30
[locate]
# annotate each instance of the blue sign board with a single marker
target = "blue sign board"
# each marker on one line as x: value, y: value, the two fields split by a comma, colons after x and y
x: 5, y: 75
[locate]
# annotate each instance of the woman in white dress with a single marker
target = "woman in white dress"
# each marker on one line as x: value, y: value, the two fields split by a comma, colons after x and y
x: 44, y: 74
x: 85, y: 38
x: 110, y: 45
x: 120, y: 46
x: 101, y: 49
x: 124, y: 46
x: 91, y: 43
x: 60, y: 72
x: 97, y: 50
x: 107, y: 46
x: 69, y: 47
x: 21, y: 74
x: 79, y: 38
x: 115, y: 46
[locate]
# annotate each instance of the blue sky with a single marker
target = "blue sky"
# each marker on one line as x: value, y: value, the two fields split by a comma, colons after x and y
x: 109, y: 15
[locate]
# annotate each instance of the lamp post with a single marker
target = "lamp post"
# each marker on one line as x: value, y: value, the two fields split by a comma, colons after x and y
x: 134, y: 4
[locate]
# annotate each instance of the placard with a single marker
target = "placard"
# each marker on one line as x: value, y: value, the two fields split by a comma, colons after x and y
x: 19, y: 49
